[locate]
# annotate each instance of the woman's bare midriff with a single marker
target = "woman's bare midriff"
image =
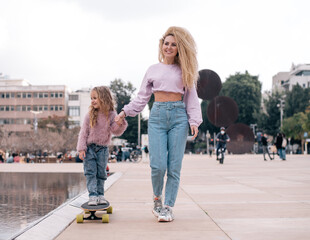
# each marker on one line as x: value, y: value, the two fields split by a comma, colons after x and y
x: 167, y: 96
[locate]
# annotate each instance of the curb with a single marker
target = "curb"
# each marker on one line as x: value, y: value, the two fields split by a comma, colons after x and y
x: 56, y: 221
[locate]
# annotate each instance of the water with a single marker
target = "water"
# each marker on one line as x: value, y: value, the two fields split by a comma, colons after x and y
x: 26, y: 197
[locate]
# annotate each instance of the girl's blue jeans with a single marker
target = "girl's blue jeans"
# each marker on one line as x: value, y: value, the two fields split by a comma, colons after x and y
x: 95, y: 164
x: 167, y: 130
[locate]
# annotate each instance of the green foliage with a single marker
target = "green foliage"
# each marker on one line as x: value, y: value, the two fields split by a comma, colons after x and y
x: 297, y: 125
x: 270, y: 121
x: 306, y: 124
x: 297, y: 100
x: 131, y: 133
x: 294, y: 126
x: 122, y: 92
x: 150, y: 103
x: 200, y: 146
x: 246, y: 91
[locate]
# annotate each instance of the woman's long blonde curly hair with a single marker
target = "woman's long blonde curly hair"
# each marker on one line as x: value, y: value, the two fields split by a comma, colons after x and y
x: 106, y: 102
x: 186, y: 57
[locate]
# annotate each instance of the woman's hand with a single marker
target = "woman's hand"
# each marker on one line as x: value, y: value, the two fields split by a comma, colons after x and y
x: 120, y: 117
x: 82, y: 155
x: 194, y: 131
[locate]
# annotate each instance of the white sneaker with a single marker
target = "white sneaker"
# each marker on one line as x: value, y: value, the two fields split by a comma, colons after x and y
x: 158, y: 205
x: 166, y: 215
x: 93, y: 201
x: 102, y: 200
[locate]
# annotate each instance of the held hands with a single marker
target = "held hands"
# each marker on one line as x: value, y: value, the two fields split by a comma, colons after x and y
x: 119, y: 118
x: 194, y: 131
x: 82, y: 155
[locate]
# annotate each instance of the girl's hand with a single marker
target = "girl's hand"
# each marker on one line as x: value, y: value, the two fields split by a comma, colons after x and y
x: 82, y: 155
x: 119, y: 118
x: 194, y: 130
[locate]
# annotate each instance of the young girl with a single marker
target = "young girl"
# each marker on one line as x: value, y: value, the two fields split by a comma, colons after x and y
x: 94, y: 137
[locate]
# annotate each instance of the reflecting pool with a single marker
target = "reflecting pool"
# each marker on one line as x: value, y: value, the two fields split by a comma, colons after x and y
x: 26, y: 197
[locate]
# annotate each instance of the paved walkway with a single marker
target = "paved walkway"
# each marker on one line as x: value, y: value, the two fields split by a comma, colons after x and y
x: 246, y: 198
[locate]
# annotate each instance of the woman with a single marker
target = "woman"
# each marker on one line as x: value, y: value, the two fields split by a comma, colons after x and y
x: 172, y: 79
x: 279, y: 145
x: 280, y: 139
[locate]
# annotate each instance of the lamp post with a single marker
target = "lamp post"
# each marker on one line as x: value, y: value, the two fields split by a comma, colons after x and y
x: 253, y: 126
x: 207, y: 140
x: 281, y: 106
x: 35, y: 123
x: 139, y: 130
x: 255, y: 147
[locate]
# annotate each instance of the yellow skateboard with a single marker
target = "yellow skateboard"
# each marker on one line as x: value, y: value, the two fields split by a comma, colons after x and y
x: 91, y: 210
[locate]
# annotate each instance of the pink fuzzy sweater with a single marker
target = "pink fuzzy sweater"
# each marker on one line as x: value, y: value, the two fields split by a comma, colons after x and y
x: 101, y: 133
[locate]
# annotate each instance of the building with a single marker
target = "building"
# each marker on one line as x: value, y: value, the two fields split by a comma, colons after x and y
x: 22, y: 104
x: 78, y: 106
x: 299, y: 74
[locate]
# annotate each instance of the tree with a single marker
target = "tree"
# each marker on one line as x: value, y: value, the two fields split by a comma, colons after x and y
x: 307, y: 123
x: 151, y: 102
x: 246, y: 91
x: 123, y: 93
x: 54, y: 123
x: 297, y: 100
x: 270, y: 121
x: 294, y: 126
x: 297, y: 125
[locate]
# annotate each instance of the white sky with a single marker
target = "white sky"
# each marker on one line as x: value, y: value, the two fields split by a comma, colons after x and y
x: 86, y: 43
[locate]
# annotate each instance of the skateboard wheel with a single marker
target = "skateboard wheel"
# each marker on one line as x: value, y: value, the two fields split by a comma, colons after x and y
x: 105, y: 218
x: 110, y: 210
x: 79, y: 218
x: 87, y: 212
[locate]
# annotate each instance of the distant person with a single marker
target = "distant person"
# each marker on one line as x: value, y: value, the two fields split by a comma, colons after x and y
x: 284, y: 145
x: 16, y: 158
x: 146, y: 150
x: 94, y: 138
x: 176, y: 108
x: 77, y: 159
x: 211, y: 148
x: 126, y: 154
x: 59, y: 158
x: 119, y: 156
x: 264, y: 141
x: 221, y: 138
x: 112, y: 157
x: 10, y: 159
x: 146, y: 153
x: 279, y: 145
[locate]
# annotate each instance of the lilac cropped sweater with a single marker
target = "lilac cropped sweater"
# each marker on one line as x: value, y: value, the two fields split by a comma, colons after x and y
x: 101, y: 133
x: 166, y: 78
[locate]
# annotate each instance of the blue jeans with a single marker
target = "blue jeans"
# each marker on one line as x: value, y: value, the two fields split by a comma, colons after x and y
x: 282, y: 153
x: 95, y: 164
x: 167, y: 130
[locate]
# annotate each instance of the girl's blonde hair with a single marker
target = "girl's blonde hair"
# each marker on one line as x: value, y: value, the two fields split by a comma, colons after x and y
x: 106, y: 102
x: 186, y: 57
